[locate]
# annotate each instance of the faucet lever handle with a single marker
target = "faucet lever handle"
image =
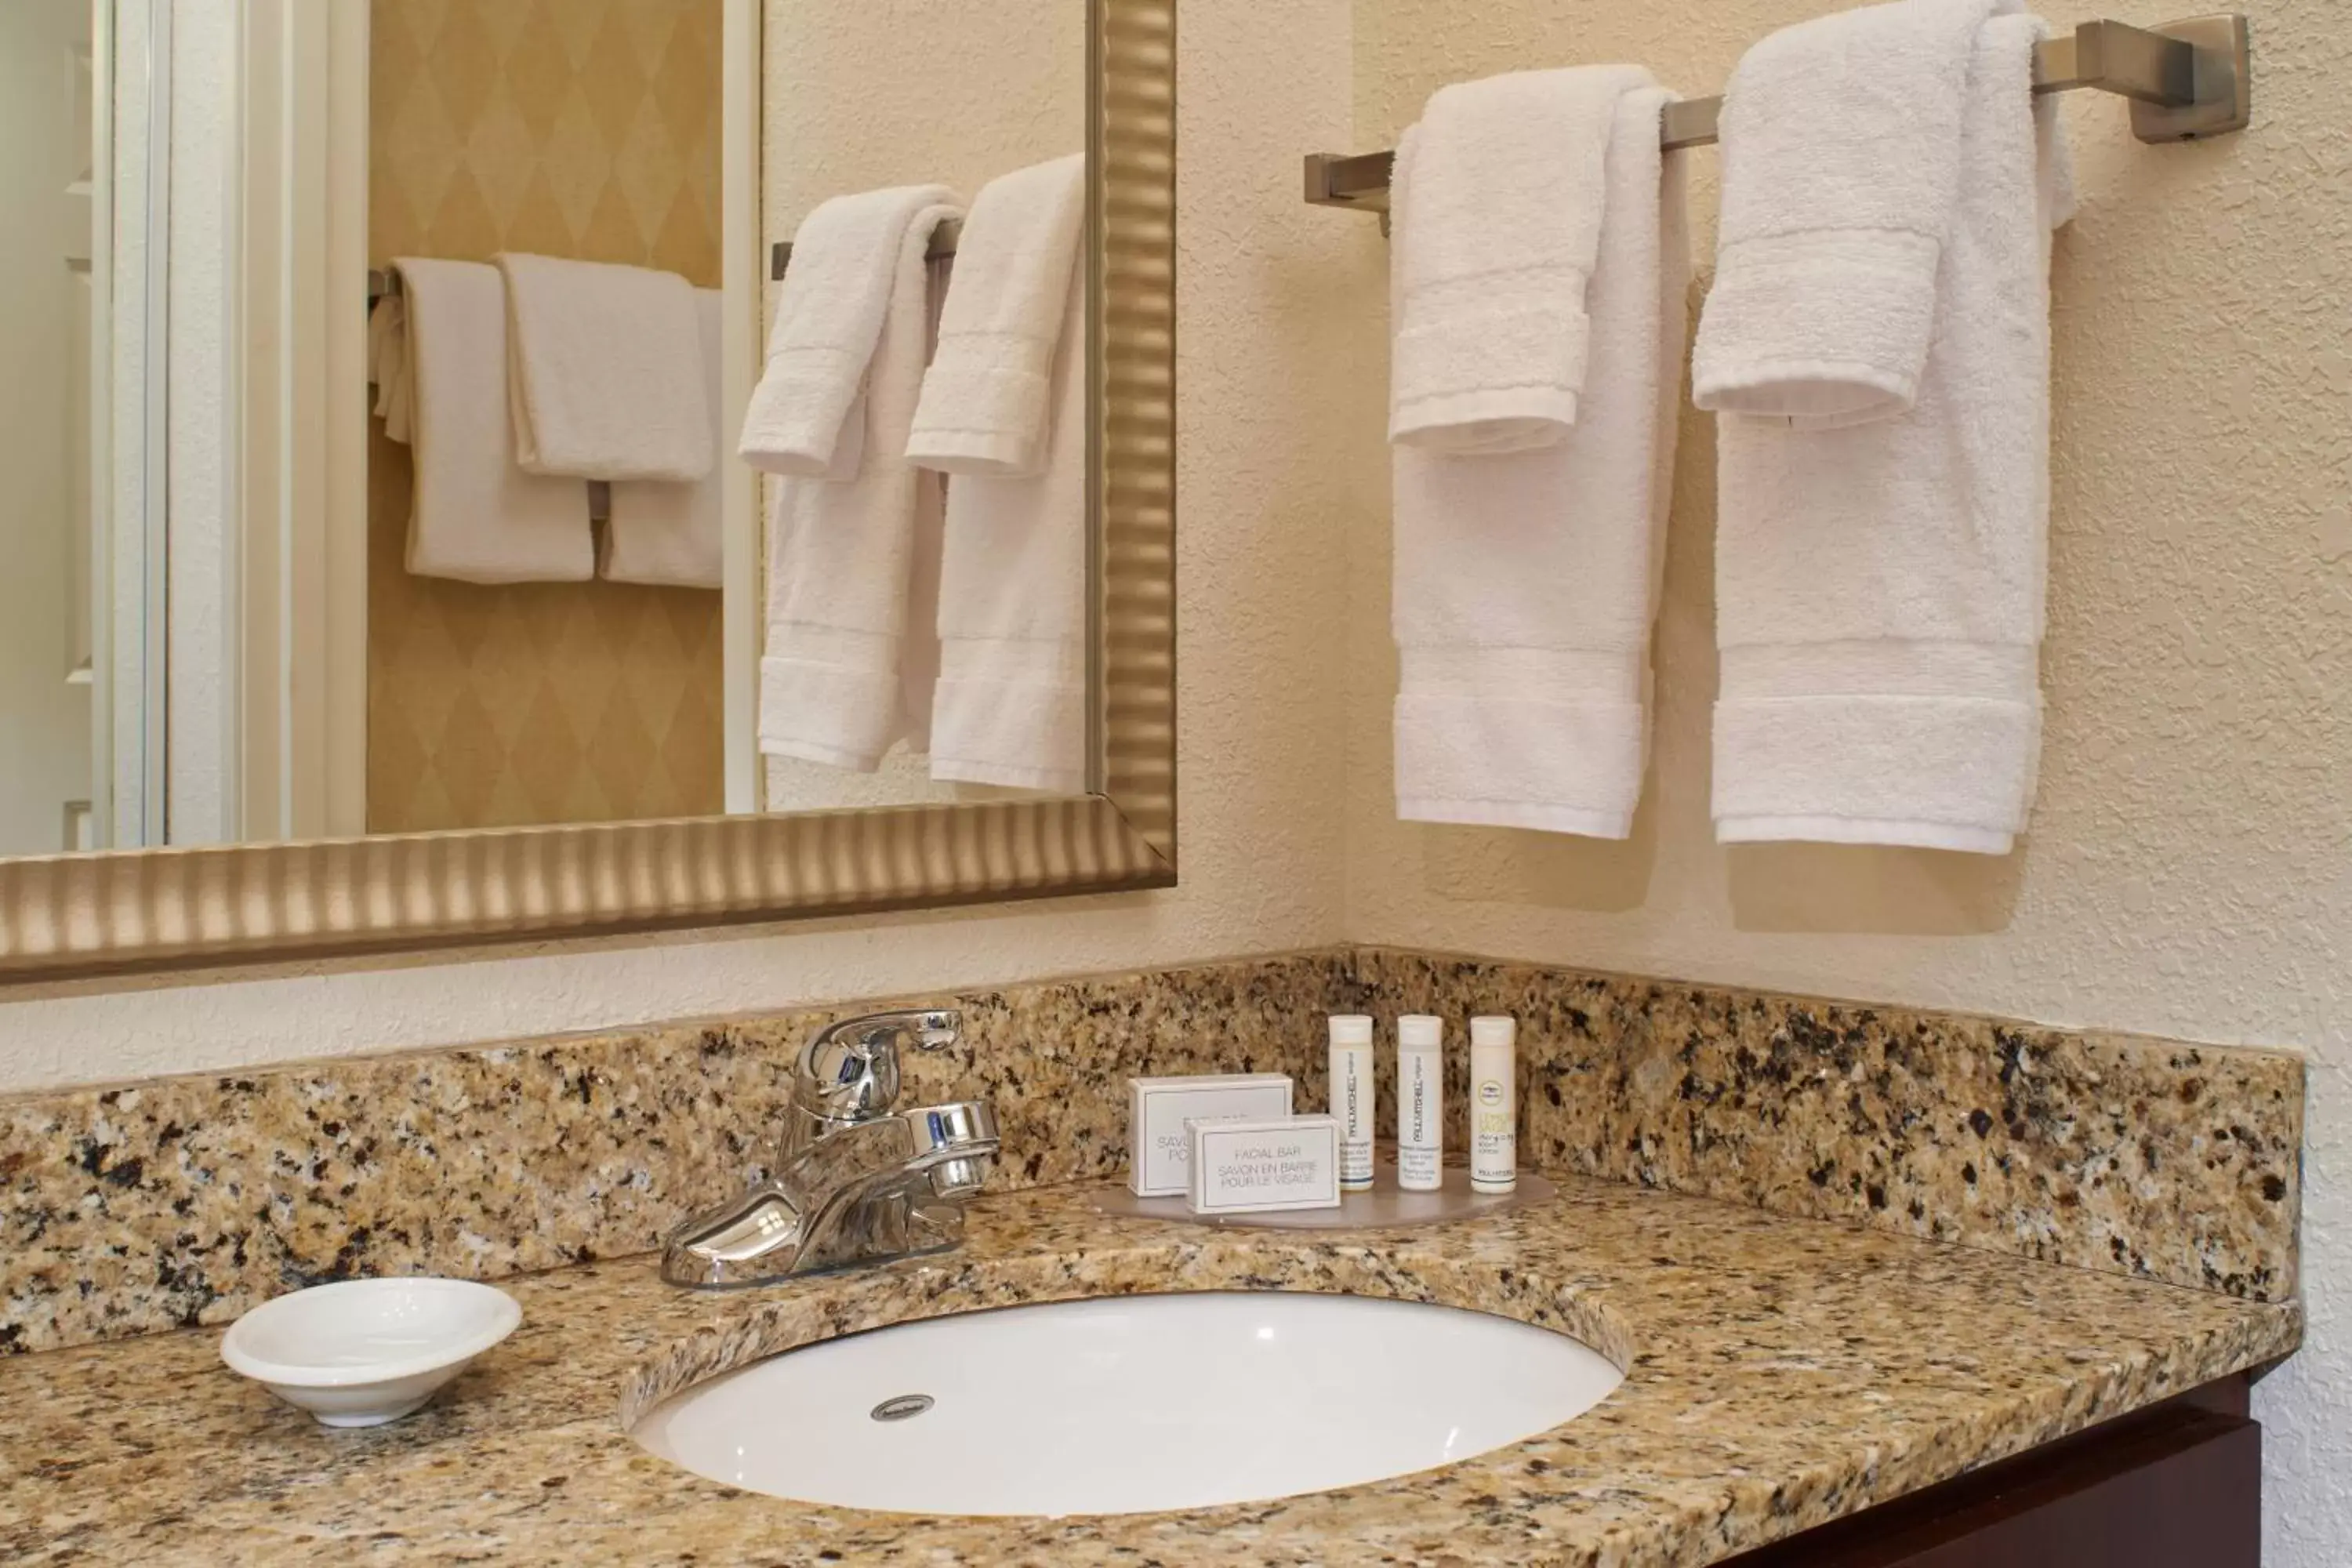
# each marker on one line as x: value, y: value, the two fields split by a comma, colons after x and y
x: 850, y: 1071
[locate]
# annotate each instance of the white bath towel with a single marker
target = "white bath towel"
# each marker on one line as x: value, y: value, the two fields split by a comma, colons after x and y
x: 1011, y: 703
x: 1879, y: 585
x: 1491, y: 337
x: 1526, y: 584
x: 987, y: 395
x: 1840, y: 184
x: 846, y: 260
x: 439, y: 363
x: 607, y: 381
x: 841, y: 542
x: 674, y: 534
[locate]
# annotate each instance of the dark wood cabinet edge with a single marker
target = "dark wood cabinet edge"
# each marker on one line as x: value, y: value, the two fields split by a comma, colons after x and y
x: 1909, y: 1525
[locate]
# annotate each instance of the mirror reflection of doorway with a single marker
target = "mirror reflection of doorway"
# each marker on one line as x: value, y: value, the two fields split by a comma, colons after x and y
x: 47, y: 671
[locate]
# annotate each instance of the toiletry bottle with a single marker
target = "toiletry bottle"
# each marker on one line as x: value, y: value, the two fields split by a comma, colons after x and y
x: 1351, y: 1098
x: 1494, y: 1106
x: 1420, y: 1103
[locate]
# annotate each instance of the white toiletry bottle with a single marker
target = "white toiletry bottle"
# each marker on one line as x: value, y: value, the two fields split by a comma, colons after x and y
x: 1351, y: 1098
x: 1494, y: 1106
x: 1420, y: 1103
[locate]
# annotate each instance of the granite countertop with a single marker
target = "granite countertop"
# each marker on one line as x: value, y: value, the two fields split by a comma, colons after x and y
x: 1781, y: 1372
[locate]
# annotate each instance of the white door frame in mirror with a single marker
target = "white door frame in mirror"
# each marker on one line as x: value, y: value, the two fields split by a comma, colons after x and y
x: 293, y: 692
x: 743, y: 278
x: 130, y: 404
x: 298, y: 368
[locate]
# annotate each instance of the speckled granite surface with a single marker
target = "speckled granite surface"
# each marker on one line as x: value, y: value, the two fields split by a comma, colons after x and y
x: 188, y: 1200
x: 185, y: 1201
x: 1781, y: 1372
x: 2153, y: 1158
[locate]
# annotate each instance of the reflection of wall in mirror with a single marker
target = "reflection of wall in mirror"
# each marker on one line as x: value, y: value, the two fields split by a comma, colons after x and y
x: 45, y: 323
x: 857, y: 97
x: 579, y: 128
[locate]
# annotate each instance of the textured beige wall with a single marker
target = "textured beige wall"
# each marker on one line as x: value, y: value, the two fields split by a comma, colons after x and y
x: 1263, y: 356
x: 2189, y: 870
x: 862, y: 96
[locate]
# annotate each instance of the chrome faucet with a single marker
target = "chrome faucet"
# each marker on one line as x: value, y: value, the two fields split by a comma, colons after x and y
x: 854, y: 1181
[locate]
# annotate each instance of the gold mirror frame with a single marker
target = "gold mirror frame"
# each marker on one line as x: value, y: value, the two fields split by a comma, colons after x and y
x: 66, y: 915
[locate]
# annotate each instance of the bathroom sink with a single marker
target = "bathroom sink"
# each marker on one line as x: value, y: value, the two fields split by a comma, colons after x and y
x: 1130, y: 1404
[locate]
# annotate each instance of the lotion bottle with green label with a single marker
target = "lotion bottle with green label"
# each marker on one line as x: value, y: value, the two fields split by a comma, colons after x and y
x: 1494, y: 1105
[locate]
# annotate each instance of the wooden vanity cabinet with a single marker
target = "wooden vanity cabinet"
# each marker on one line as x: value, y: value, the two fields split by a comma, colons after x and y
x: 2178, y: 1484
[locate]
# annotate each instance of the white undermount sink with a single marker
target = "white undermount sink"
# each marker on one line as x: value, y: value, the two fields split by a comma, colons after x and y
x: 1130, y: 1404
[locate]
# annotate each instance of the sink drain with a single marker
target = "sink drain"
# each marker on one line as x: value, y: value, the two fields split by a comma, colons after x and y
x: 902, y: 1408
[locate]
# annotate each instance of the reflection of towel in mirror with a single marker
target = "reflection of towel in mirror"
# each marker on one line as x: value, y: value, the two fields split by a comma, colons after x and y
x: 842, y: 517
x: 830, y: 313
x: 607, y: 377
x: 438, y: 357
x: 671, y: 534
x: 1003, y: 413
x: 986, y: 397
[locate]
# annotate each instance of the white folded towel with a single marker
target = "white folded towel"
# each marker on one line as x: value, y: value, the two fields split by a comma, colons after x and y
x: 439, y: 363
x: 986, y: 397
x: 607, y: 381
x: 1841, y: 182
x: 1879, y: 585
x: 840, y: 549
x: 1011, y: 703
x: 1526, y: 584
x: 674, y: 534
x: 1491, y: 336
x: 829, y: 317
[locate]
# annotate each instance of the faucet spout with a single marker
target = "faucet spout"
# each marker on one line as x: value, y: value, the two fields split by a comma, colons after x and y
x: 854, y: 1181
x: 890, y: 1187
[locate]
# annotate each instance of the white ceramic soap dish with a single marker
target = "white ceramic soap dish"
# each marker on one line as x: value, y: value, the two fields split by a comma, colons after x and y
x: 366, y: 1351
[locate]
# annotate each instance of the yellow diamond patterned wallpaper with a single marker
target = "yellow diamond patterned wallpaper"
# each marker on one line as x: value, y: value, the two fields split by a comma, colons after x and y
x: 582, y: 128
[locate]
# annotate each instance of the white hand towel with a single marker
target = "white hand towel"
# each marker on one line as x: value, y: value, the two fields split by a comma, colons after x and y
x: 840, y: 549
x: 440, y: 370
x: 387, y: 365
x: 1526, y: 584
x: 987, y: 395
x: 607, y: 381
x: 836, y: 294
x: 1879, y: 587
x: 1491, y: 338
x: 1011, y: 704
x: 674, y: 534
x: 1841, y: 182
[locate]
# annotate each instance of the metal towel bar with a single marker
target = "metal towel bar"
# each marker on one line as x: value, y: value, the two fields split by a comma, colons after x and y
x: 2185, y: 80
x: 943, y: 246
x: 383, y: 281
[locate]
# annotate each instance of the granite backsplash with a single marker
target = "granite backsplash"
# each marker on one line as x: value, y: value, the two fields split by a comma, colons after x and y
x: 180, y: 1201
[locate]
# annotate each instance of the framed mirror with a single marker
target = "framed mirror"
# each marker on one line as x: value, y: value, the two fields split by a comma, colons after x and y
x: 352, y: 607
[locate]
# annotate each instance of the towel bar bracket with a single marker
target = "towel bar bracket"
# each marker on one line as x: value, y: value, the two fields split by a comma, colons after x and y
x: 2186, y: 80
x: 2210, y: 85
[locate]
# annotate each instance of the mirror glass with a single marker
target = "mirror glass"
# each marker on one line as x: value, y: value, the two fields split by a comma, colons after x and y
x: 51, y: 744
x: 348, y: 502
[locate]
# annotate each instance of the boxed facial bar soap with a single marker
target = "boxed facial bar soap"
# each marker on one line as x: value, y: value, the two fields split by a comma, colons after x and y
x: 1260, y: 1167
x: 1159, y: 1156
